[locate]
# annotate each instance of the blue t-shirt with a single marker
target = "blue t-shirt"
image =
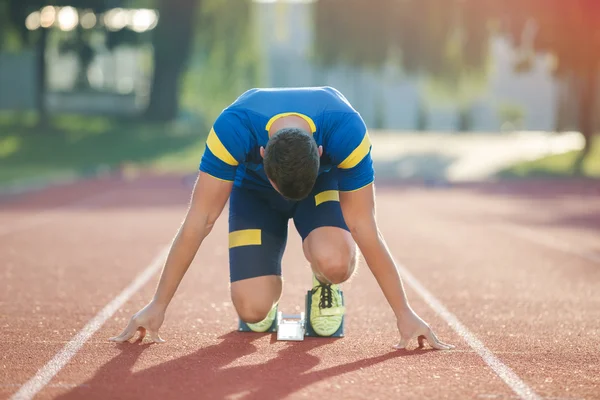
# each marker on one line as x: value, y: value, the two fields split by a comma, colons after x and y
x: 232, y: 150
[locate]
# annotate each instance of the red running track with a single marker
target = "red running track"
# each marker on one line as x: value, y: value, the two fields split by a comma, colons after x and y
x: 508, y: 273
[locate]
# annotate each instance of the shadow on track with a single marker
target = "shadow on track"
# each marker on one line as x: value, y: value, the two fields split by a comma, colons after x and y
x: 205, y: 374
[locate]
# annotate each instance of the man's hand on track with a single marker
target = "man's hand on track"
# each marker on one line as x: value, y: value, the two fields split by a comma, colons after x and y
x: 410, y: 325
x: 148, y: 320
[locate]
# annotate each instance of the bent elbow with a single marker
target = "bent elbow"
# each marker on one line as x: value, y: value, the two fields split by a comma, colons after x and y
x: 208, y: 227
x: 362, y: 226
x: 196, y: 231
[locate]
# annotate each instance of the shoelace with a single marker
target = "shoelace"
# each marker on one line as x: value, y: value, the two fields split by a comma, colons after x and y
x: 326, y: 295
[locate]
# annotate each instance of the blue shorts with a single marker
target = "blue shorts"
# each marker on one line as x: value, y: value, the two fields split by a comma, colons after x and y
x: 258, y: 225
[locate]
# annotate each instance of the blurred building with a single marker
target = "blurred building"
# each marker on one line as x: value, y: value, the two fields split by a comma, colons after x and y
x: 389, y: 100
x: 18, y: 85
x: 82, y: 74
x: 117, y: 80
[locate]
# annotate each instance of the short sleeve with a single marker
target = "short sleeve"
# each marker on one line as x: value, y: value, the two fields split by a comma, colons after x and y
x: 350, y: 148
x: 226, y: 147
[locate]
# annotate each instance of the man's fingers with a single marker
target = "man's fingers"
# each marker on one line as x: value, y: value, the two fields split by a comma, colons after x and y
x: 156, y: 337
x: 435, y: 342
x: 127, y: 333
x: 123, y: 337
x: 402, y: 345
x: 428, y: 336
x: 142, y: 331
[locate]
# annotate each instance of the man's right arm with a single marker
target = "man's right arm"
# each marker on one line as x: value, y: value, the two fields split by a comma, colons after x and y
x: 208, y: 200
x: 227, y: 145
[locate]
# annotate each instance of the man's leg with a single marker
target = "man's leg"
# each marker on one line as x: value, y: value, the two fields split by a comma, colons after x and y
x: 257, y: 239
x: 255, y: 298
x: 331, y: 251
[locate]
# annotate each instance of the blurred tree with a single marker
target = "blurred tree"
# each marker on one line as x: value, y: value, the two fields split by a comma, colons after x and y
x: 441, y: 41
x: 422, y: 117
x: 225, y: 59
x: 511, y: 115
x: 17, y: 12
x: 172, y: 40
x: 379, y: 118
x: 570, y: 30
x: 445, y: 45
x: 222, y: 30
x: 9, y: 37
x: 465, y: 120
x: 79, y: 44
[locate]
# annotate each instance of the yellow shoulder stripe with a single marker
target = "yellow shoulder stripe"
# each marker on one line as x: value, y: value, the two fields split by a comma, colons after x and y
x: 358, y: 154
x: 309, y: 120
x: 216, y: 147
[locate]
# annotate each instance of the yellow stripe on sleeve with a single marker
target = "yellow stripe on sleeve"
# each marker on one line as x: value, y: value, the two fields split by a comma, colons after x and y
x: 246, y: 237
x: 358, y: 154
x: 357, y: 189
x: 308, y: 120
x: 328, y: 195
x: 217, y: 178
x: 217, y: 148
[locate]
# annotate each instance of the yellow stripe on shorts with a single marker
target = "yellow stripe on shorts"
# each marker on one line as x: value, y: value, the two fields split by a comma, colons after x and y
x: 246, y: 237
x: 328, y: 195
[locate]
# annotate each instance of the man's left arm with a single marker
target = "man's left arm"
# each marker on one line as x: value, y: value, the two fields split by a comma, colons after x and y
x: 350, y: 146
x: 358, y: 208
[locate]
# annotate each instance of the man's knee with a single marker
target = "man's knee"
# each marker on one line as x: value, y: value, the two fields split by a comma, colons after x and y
x: 253, y: 298
x: 251, y: 311
x: 334, y: 265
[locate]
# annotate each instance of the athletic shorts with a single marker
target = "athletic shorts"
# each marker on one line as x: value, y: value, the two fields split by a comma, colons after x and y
x: 258, y: 225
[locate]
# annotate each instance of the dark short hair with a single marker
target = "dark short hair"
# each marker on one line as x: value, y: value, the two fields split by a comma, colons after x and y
x: 292, y: 162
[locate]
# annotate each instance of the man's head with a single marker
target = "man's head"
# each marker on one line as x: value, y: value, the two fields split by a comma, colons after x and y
x: 291, y: 162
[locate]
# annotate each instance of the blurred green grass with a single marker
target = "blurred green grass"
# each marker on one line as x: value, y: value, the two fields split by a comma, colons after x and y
x: 76, y: 145
x: 556, y: 166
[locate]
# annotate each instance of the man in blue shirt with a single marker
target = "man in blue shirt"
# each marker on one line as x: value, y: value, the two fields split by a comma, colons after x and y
x: 281, y: 154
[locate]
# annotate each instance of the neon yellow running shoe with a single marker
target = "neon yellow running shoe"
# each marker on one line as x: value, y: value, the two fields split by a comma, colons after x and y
x: 326, y: 310
x: 266, y: 323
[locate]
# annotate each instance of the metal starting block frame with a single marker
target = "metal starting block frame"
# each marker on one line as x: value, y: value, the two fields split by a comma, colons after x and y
x: 295, y: 327
x: 291, y: 326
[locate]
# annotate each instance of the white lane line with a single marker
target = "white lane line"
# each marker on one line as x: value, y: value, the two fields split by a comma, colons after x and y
x: 53, y: 367
x: 504, y: 372
x: 52, y: 213
x: 548, y: 241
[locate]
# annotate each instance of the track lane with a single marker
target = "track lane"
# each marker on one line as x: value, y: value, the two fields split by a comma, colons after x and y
x: 538, y: 308
x: 205, y: 356
x: 486, y: 277
x: 203, y: 352
x: 58, y: 275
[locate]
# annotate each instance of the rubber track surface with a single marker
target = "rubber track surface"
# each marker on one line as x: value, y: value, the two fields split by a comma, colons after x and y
x: 517, y: 264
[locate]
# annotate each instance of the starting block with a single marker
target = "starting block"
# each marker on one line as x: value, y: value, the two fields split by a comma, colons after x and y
x: 291, y: 327
x: 295, y: 327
